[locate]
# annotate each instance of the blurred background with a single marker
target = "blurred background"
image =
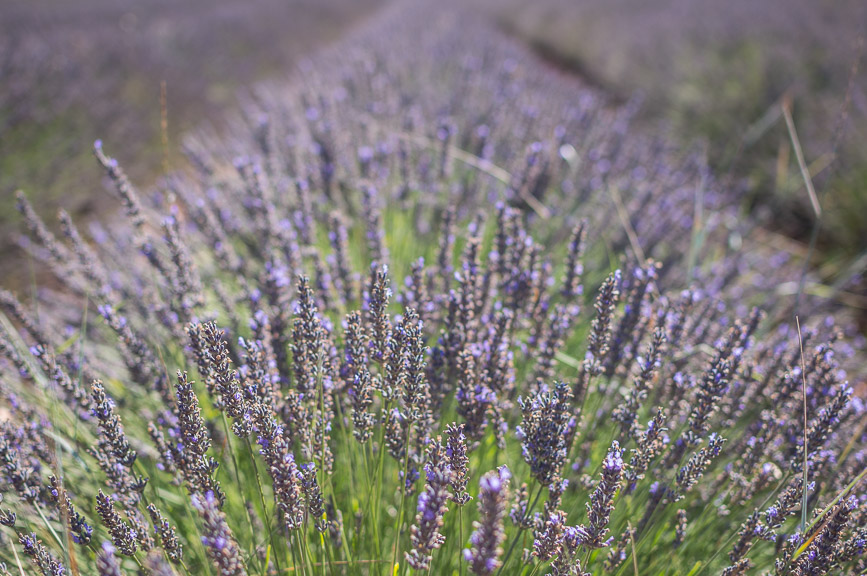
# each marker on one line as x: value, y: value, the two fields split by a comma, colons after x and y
x: 72, y: 72
x: 714, y: 75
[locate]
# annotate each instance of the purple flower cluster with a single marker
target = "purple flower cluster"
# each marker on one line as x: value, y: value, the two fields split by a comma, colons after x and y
x: 107, y: 562
x: 82, y: 532
x: 217, y: 538
x: 284, y: 473
x: 546, y: 425
x: 113, y: 451
x: 459, y: 462
x: 425, y: 534
x: 602, y: 499
x: 191, y: 441
x: 489, y: 533
x: 168, y: 539
x: 123, y: 535
x: 47, y: 564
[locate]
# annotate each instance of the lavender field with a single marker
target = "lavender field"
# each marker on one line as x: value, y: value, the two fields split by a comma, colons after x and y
x: 427, y: 303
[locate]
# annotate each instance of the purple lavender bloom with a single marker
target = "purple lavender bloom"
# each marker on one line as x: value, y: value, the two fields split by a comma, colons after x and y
x: 113, y: 441
x: 373, y: 216
x: 425, y: 535
x: 156, y: 565
x: 7, y: 518
x: 217, y: 538
x: 81, y: 530
x: 601, y: 501
x: 166, y: 532
x: 107, y: 563
x: 549, y: 539
x: 40, y: 556
x: 313, y: 495
x: 456, y: 452
x: 416, y: 390
x: 190, y: 454
x: 226, y: 383
x: 281, y: 465
x: 600, y: 334
x: 489, y: 532
x: 690, y: 473
x: 567, y: 562
x: 544, y: 431
x: 378, y: 322
x: 122, y: 535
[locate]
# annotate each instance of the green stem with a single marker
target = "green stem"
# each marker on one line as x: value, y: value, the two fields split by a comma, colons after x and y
x: 265, y: 515
x: 50, y: 527
x: 311, y: 560
x: 322, y: 478
x: 252, y: 551
x: 402, y: 487
x: 376, y: 487
x: 293, y: 543
x: 460, y: 540
x: 137, y: 561
x: 328, y: 553
x: 292, y: 554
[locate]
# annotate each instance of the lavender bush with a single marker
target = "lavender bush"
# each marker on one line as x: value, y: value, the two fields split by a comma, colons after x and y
x: 431, y: 308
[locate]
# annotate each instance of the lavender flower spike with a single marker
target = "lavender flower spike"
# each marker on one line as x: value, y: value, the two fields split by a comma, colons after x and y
x: 488, y: 536
x: 168, y: 539
x: 456, y: 451
x: 122, y: 535
x: 106, y: 561
x: 219, y: 543
x: 567, y: 562
x: 549, y: 539
x: 546, y: 426
x: 48, y: 565
x: 600, y: 505
x: 81, y: 530
x: 425, y: 533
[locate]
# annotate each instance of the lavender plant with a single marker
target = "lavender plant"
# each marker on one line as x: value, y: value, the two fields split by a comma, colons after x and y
x: 342, y: 407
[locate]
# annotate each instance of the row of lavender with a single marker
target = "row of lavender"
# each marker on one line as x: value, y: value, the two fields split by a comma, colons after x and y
x: 355, y: 339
